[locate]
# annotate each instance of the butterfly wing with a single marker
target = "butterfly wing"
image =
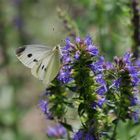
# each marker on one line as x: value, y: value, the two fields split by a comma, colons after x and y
x: 53, y: 66
x: 48, y: 68
x: 39, y: 69
x: 43, y: 61
x: 29, y: 55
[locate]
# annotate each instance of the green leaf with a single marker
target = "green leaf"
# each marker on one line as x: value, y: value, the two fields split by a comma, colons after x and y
x: 81, y: 109
x: 67, y: 126
x: 128, y: 130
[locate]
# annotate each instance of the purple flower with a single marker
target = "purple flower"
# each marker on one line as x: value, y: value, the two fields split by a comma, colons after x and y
x: 57, y: 131
x: 77, y: 55
x: 135, y: 116
x: 67, y: 52
x: 137, y: 63
x: 92, y: 50
x: 98, y: 103
x: 43, y: 105
x: 83, y: 135
x: 67, y: 40
x: 108, y: 65
x: 134, y: 75
x: 135, y: 100
x: 88, y: 40
x: 101, y: 60
x: 100, y: 80
x: 127, y: 58
x: 67, y: 48
x: 116, y: 83
x: 97, y: 67
x: 132, y: 69
x: 65, y: 74
x: 77, y: 40
x: 45, y: 109
x: 66, y: 58
x: 101, y: 102
x: 88, y: 136
x: 101, y: 90
x: 79, y: 135
x: 135, y: 80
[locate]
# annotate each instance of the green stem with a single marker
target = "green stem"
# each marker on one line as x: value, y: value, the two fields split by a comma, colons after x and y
x: 68, y: 135
x: 114, y: 132
x: 136, y: 28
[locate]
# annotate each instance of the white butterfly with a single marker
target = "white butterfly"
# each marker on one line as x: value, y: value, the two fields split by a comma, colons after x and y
x: 43, y: 61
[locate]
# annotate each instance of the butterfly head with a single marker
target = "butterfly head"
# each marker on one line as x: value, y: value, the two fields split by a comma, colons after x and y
x: 58, y: 47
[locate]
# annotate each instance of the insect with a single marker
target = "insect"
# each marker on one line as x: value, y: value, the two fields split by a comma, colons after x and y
x: 43, y: 61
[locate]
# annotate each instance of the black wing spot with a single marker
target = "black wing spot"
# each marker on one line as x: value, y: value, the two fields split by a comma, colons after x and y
x: 20, y: 50
x: 35, y: 60
x: 29, y: 55
x: 45, y: 69
x: 42, y: 66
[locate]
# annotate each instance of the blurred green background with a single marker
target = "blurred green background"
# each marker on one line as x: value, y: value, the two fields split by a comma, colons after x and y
x: 50, y: 22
